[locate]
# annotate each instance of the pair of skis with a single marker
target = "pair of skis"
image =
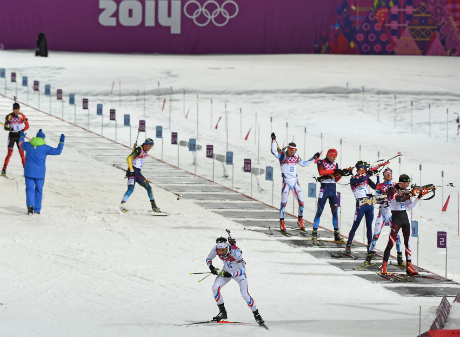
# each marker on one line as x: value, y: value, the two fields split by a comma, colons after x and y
x: 125, y: 210
x: 222, y: 322
x: 342, y: 255
x: 395, y: 277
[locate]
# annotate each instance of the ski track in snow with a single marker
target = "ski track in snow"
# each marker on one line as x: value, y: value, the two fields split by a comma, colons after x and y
x: 84, y: 268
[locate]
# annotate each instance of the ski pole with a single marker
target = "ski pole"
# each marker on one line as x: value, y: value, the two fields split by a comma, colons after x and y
x: 179, y: 196
x: 204, y: 277
x: 208, y: 272
x: 135, y: 144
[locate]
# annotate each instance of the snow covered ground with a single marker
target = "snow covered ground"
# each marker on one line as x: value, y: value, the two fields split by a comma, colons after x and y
x: 83, y: 268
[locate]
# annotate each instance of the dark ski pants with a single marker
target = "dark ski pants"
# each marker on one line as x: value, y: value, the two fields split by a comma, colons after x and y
x: 140, y: 179
x: 327, y: 192
x: 399, y: 220
x: 368, y: 212
x: 34, y: 192
x: 12, y: 139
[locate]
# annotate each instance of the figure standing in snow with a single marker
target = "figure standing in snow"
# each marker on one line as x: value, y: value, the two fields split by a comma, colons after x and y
x: 288, y: 160
x: 234, y: 268
x: 35, y: 167
x: 326, y: 167
x: 135, y: 163
x: 399, y: 201
x: 359, y: 184
x: 384, y: 217
x: 14, y: 124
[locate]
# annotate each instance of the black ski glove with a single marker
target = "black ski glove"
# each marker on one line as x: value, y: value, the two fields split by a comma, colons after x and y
x: 129, y: 173
x: 273, y: 136
x: 316, y: 156
x: 338, y: 171
x: 226, y: 274
x: 213, y: 270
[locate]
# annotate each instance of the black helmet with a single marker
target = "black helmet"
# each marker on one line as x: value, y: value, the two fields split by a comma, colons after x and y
x: 361, y: 164
x: 404, y: 178
x: 16, y: 106
x: 221, y: 240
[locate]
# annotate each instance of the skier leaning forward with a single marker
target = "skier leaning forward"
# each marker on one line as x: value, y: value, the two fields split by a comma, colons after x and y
x: 135, y: 163
x: 288, y: 161
x: 234, y: 268
x: 400, y: 204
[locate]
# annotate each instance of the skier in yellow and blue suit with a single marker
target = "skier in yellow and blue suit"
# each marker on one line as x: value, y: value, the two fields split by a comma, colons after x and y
x: 135, y: 163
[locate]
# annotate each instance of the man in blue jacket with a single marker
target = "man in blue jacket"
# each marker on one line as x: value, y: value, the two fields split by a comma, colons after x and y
x: 35, y: 167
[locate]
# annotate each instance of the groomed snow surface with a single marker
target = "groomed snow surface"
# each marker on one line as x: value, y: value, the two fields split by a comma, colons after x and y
x: 83, y: 268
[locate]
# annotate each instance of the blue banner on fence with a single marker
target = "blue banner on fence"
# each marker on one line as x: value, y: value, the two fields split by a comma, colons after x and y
x: 192, y: 144
x: 24, y: 81
x: 99, y: 109
x: 47, y: 90
x: 269, y: 173
x: 312, y: 190
x: 72, y: 99
x: 2, y: 73
x: 159, y: 133
x: 127, y: 120
x: 229, y: 158
x: 414, y: 228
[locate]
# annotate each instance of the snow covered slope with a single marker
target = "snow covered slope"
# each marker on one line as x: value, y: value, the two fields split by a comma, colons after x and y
x: 84, y: 268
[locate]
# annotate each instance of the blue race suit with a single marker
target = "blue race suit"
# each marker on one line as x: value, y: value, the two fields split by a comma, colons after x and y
x: 359, y: 186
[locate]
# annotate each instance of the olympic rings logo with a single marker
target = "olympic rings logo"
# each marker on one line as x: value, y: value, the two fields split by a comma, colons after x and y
x: 211, y: 16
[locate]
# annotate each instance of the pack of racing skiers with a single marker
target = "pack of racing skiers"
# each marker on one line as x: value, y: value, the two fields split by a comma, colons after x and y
x: 393, y: 210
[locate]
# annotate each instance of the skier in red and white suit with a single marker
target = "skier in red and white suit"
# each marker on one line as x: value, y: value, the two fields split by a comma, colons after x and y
x: 14, y: 124
x: 288, y: 161
x: 384, y: 217
x: 400, y: 204
x: 234, y: 268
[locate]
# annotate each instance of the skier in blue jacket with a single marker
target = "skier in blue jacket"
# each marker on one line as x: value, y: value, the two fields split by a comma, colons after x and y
x: 35, y: 167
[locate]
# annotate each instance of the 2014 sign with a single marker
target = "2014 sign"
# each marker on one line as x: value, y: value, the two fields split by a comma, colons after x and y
x: 131, y: 13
